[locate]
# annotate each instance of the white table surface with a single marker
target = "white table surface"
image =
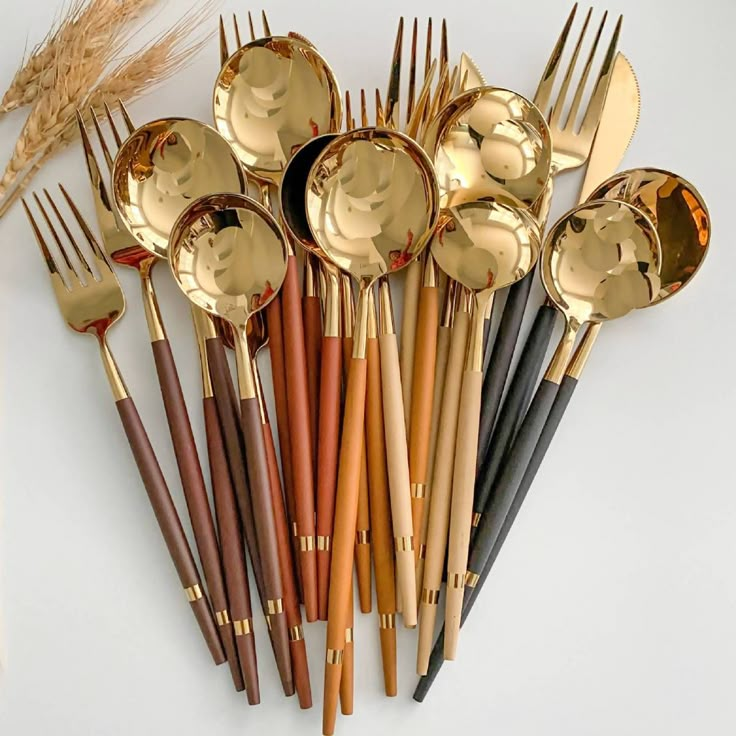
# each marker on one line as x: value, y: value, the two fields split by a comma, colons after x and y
x: 611, y: 610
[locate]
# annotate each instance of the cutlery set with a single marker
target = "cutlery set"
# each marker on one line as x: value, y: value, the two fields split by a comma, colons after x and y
x: 404, y: 458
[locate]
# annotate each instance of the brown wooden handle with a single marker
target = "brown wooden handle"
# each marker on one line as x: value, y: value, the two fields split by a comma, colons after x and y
x: 233, y: 556
x: 260, y: 486
x: 439, y: 511
x: 461, y: 509
x: 300, y: 433
x: 169, y: 523
x: 425, y: 355
x: 363, y: 539
x: 346, y: 511
x: 312, y: 316
x: 328, y: 447
x: 412, y: 286
x: 190, y: 472
x: 347, y: 681
x: 380, y: 507
x: 299, y: 665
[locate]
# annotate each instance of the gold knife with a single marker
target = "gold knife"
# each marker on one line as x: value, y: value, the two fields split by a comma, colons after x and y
x: 619, y: 118
x: 469, y: 76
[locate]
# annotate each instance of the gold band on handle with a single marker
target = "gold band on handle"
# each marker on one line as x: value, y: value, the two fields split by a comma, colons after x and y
x: 363, y: 536
x: 242, y: 627
x: 418, y: 490
x: 294, y: 529
x: 296, y: 633
x: 386, y: 620
x: 306, y: 544
x: 471, y: 579
x: 476, y: 519
x: 349, y: 635
x: 456, y: 580
x: 193, y: 593
x: 275, y: 606
x: 334, y: 656
x: 268, y: 622
x: 422, y: 551
x: 430, y: 597
x: 222, y: 617
x: 323, y: 543
x: 404, y: 544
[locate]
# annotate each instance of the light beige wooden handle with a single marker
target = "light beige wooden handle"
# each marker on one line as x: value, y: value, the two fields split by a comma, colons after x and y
x: 441, y: 482
x: 398, y: 476
x: 412, y: 285
x: 461, y: 510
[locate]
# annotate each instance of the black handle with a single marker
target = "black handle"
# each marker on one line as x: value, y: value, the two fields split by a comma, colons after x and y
x: 494, y: 378
x: 515, y: 405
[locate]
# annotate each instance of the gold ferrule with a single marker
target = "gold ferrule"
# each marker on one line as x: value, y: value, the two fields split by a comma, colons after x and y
x: 193, y: 593
x: 246, y: 377
x: 430, y: 597
x: 334, y: 656
x: 222, y: 617
x: 386, y: 620
x: 385, y: 308
x: 306, y: 543
x: 476, y: 518
x: 431, y: 272
x: 294, y: 529
x: 331, y: 292
x: 450, y: 306
x: 422, y: 551
x: 199, y: 316
x: 262, y: 410
x: 243, y: 627
x: 274, y: 606
x: 456, y: 580
x: 296, y: 633
x: 349, y: 635
x: 311, y: 283
x: 558, y: 364
x: 418, y: 490
x: 348, y: 305
x: 404, y: 544
x: 363, y: 536
x: 155, y: 324
x: 323, y: 543
x: 114, y: 377
x: 474, y: 355
x: 580, y: 358
x: 360, y: 335
x: 471, y: 579
x: 372, y: 317
x: 268, y: 622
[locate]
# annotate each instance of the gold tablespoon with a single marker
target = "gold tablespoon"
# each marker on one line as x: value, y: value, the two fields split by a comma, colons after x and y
x: 228, y: 255
x: 372, y: 206
x: 485, y: 246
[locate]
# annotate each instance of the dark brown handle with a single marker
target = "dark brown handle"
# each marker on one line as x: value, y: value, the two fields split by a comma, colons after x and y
x: 169, y: 523
x: 190, y: 472
x: 260, y: 486
x: 233, y: 557
x: 300, y: 433
x: 328, y: 449
x: 312, y: 312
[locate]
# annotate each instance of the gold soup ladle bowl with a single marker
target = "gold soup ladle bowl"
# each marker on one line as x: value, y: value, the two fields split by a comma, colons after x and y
x: 372, y: 206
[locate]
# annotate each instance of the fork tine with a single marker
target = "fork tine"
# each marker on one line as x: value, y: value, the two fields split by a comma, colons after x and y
x: 598, y: 98
x: 444, y: 53
x: 557, y: 108
x: 544, y: 90
x: 51, y: 263
x: 250, y: 25
x: 428, y: 48
x: 93, y: 166
x: 266, y: 27
x: 380, y: 117
x: 575, y: 107
x: 348, y: 111
x: 130, y: 126
x: 101, y: 138
x: 100, y: 257
x: 418, y: 115
x: 113, y: 127
x: 412, y: 71
x: 363, y: 109
x: 394, y: 80
x: 82, y: 260
x: 224, y: 53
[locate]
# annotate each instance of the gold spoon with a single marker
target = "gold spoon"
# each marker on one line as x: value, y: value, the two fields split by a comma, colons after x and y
x: 228, y: 256
x: 372, y: 205
x: 485, y: 246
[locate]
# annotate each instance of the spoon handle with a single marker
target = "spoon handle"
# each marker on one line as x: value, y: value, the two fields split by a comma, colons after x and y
x: 347, y: 681
x: 412, y: 285
x: 312, y: 318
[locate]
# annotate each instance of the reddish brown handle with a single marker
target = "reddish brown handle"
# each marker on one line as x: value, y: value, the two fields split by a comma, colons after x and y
x: 190, y: 472
x: 328, y: 449
x: 169, y: 523
x: 260, y: 486
x: 312, y: 312
x: 233, y: 557
x: 300, y: 433
x: 299, y: 666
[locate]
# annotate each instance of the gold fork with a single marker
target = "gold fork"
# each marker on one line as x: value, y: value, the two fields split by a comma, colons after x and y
x: 90, y: 303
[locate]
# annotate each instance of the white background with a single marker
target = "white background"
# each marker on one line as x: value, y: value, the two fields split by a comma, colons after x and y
x: 611, y: 610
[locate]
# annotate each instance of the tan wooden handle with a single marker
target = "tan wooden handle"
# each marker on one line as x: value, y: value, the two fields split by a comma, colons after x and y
x: 439, y: 510
x: 408, y: 334
x: 398, y: 475
x: 461, y: 510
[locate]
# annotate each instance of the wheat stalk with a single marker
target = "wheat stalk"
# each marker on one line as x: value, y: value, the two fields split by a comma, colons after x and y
x: 92, y: 19
x: 133, y: 76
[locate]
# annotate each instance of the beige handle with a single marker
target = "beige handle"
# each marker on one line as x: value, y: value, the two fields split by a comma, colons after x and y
x: 441, y: 483
x: 412, y: 285
x: 461, y: 510
x: 398, y: 476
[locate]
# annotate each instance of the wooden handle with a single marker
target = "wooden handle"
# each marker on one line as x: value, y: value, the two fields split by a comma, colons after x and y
x: 380, y: 508
x: 412, y: 285
x: 300, y: 433
x: 233, y: 560
x: 328, y: 448
x: 169, y: 523
x: 312, y: 317
x: 263, y: 514
x: 425, y: 355
x: 439, y: 511
x: 346, y: 511
x: 347, y: 680
x: 398, y: 475
x: 297, y: 646
x: 363, y: 539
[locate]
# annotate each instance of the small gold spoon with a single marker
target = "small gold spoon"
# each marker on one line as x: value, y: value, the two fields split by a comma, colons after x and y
x: 228, y: 256
x: 372, y: 206
x: 485, y: 246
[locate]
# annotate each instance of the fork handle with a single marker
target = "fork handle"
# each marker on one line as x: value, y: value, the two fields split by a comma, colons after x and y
x: 169, y: 523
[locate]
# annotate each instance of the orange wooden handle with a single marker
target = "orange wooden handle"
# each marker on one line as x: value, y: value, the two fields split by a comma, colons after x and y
x: 312, y: 315
x: 363, y: 540
x: 347, y: 681
x: 412, y: 285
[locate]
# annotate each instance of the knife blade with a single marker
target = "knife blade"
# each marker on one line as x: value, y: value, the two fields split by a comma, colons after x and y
x: 469, y: 75
x: 619, y: 118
